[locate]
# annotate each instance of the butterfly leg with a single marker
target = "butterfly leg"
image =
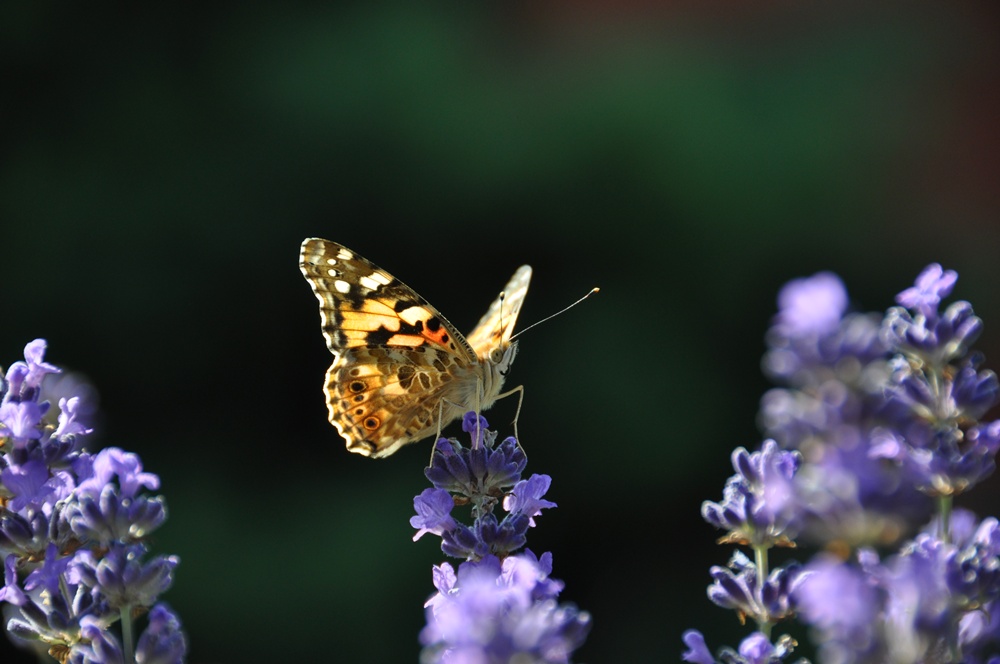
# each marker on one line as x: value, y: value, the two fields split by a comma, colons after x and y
x: 519, y: 390
x: 437, y: 436
x: 479, y: 406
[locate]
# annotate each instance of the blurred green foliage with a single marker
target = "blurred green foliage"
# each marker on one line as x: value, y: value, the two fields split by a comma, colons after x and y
x: 159, y: 166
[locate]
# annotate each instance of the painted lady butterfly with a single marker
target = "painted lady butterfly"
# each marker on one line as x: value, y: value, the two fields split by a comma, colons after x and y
x: 400, y: 369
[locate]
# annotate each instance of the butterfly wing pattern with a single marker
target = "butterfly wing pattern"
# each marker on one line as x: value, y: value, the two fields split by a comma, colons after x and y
x: 399, y: 366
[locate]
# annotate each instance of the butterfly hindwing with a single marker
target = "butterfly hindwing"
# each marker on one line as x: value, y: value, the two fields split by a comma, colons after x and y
x: 381, y: 398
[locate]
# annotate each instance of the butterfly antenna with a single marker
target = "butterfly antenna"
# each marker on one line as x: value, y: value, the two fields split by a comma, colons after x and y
x: 561, y: 311
x: 503, y: 296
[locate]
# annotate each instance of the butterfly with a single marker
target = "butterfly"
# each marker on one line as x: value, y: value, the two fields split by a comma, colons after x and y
x: 401, y: 371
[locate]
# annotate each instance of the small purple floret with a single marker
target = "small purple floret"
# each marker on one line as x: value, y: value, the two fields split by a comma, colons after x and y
x: 433, y: 507
x: 697, y: 651
x: 933, y: 284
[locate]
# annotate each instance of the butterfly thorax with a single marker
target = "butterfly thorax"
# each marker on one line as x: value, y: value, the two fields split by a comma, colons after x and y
x: 497, y: 363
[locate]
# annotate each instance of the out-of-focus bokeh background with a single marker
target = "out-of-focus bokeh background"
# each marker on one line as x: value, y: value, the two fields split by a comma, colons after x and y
x: 160, y: 164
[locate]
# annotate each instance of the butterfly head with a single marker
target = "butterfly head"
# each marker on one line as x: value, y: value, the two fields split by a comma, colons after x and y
x: 502, y: 356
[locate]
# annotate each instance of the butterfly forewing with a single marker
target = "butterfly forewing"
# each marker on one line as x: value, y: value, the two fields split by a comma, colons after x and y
x: 363, y: 305
x: 398, y: 362
x: 497, y: 324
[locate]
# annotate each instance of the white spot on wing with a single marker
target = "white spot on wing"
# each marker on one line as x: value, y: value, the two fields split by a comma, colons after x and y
x: 374, y: 281
x: 413, y: 314
x: 342, y: 286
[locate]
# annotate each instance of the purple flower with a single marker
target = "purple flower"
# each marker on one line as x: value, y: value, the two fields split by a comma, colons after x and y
x: 912, y: 605
x: 933, y: 284
x: 70, y: 410
x: 842, y: 605
x: 545, y: 585
x: 34, y: 354
x: 99, y: 645
x: 433, y: 508
x: 979, y: 634
x: 474, y: 423
x: 697, y: 651
x: 838, y: 378
x: 754, y: 649
x: 111, y: 517
x: 757, y: 649
x: 482, y: 471
x: 811, y: 306
x: 876, y: 417
x: 33, y: 486
x: 83, y: 517
x: 813, y: 340
x: 973, y: 392
x: 27, y: 417
x: 526, y: 497
x: 738, y: 587
x: 489, y: 613
x: 11, y: 592
x: 25, y: 378
x: 21, y: 420
x: 96, y: 472
x: 478, y: 475
x: 47, y: 576
x: 758, y: 505
x: 122, y: 577
x: 162, y: 642
x: 499, y: 606
x: 28, y: 534
x: 939, y: 396
x: 932, y: 338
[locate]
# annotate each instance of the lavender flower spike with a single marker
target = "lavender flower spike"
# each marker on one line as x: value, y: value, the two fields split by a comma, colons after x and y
x: 758, y: 506
x: 479, y: 475
x: 501, y: 605
x: 489, y: 612
x: 72, y: 529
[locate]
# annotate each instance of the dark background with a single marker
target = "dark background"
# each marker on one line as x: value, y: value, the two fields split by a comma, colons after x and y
x: 159, y: 166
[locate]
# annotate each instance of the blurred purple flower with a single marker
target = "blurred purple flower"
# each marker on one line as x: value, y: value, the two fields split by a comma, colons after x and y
x: 489, y: 612
x: 932, y: 285
x: 813, y: 305
x: 754, y: 649
x: 162, y: 642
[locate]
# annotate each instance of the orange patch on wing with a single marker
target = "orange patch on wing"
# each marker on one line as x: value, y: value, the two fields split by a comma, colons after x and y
x: 368, y: 320
x: 440, y: 337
